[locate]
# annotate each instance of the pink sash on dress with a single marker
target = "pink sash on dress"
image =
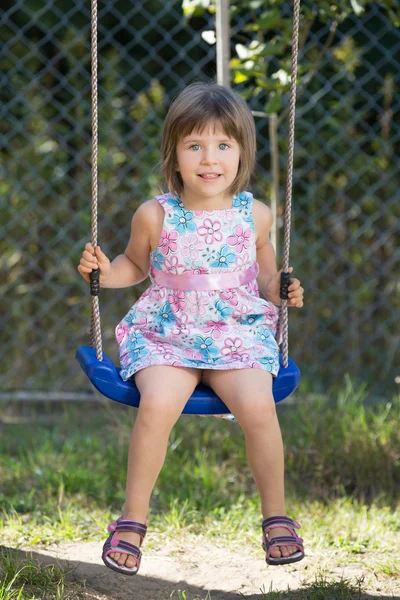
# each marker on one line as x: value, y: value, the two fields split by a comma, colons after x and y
x: 204, y: 281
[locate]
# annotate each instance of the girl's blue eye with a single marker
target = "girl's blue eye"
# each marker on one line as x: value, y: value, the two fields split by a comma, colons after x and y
x: 197, y: 146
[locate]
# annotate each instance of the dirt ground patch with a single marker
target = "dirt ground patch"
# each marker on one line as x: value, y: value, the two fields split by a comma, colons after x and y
x: 199, y: 567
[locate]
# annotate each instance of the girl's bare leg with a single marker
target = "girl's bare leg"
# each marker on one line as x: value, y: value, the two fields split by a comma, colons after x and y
x: 164, y: 392
x: 248, y: 395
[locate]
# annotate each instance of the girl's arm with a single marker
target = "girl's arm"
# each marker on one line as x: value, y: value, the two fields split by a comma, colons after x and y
x: 262, y: 216
x: 269, y: 279
x: 132, y: 267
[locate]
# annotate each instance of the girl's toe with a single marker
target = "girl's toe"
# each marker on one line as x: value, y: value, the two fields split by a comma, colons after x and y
x: 130, y: 562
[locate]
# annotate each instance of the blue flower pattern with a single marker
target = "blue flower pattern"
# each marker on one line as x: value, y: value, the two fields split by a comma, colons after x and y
x: 225, y: 258
x: 251, y: 319
x: 223, y: 308
x: 182, y: 221
x: 165, y: 316
x: 206, y: 346
x: 158, y: 259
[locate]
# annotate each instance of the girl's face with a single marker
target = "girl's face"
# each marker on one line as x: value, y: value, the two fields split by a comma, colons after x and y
x: 208, y: 164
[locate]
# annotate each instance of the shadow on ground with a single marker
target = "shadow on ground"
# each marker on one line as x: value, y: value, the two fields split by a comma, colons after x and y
x: 101, y: 583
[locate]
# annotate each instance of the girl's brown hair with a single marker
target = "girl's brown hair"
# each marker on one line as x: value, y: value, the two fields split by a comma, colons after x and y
x: 197, y: 107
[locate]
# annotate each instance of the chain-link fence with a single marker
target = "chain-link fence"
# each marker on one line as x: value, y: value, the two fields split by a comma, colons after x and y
x: 346, y: 179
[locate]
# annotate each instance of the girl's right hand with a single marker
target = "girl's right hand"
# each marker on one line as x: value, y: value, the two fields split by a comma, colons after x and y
x: 92, y: 260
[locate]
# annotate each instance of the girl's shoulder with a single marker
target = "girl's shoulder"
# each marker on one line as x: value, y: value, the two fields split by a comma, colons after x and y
x: 262, y: 217
x: 261, y: 210
x: 152, y: 212
x: 149, y: 211
x: 148, y: 220
x: 149, y: 217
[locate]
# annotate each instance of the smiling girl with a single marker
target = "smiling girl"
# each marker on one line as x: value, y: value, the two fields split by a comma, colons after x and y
x: 205, y: 245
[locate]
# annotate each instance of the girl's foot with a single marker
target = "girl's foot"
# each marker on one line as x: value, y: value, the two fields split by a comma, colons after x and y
x: 280, y: 541
x: 126, y: 559
x: 279, y: 551
x: 121, y: 550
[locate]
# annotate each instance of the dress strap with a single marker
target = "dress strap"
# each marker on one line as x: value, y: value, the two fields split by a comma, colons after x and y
x: 169, y: 202
x: 162, y: 199
x: 243, y: 200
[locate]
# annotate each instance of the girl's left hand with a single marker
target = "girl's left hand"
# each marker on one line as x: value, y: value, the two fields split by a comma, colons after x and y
x: 296, y: 292
x: 272, y: 290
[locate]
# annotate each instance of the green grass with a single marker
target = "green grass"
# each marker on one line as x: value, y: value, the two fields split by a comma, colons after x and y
x: 28, y: 580
x: 322, y: 588
x: 60, y: 480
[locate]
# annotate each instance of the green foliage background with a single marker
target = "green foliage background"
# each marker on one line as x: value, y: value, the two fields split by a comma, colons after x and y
x: 346, y: 205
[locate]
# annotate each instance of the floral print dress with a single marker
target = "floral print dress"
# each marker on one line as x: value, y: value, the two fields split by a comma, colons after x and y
x: 229, y: 328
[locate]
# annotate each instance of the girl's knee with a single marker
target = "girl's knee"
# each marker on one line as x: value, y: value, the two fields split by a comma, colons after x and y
x: 158, y: 411
x: 257, y: 414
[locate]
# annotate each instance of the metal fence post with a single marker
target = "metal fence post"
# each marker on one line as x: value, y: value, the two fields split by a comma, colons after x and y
x: 223, y: 42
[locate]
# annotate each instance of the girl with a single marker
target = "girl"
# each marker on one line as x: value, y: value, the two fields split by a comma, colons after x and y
x: 205, y: 245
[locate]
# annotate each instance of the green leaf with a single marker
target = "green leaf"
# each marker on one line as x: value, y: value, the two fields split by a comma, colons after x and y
x: 195, y: 8
x: 265, y: 84
x: 272, y: 49
x: 270, y: 19
x: 254, y: 4
x: 274, y: 103
x: 239, y: 77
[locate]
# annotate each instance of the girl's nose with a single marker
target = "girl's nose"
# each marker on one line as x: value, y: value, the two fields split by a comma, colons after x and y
x: 209, y: 158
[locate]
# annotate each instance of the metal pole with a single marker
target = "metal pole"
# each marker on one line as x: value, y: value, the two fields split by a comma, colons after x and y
x: 223, y: 41
x: 274, y: 152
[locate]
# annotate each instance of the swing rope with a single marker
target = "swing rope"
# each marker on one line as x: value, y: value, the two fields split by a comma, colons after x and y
x: 95, y: 324
x: 283, y: 326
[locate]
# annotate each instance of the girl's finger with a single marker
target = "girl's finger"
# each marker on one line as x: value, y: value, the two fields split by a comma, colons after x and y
x: 83, y: 269
x: 89, y: 256
x: 298, y: 293
x: 100, y: 254
x: 88, y: 264
x: 296, y: 302
x: 294, y: 283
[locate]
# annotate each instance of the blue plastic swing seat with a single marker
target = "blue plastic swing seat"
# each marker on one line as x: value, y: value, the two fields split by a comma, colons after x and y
x: 105, y: 377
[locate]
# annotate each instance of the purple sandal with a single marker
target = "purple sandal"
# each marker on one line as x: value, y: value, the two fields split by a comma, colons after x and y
x: 289, y: 540
x: 113, y: 544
